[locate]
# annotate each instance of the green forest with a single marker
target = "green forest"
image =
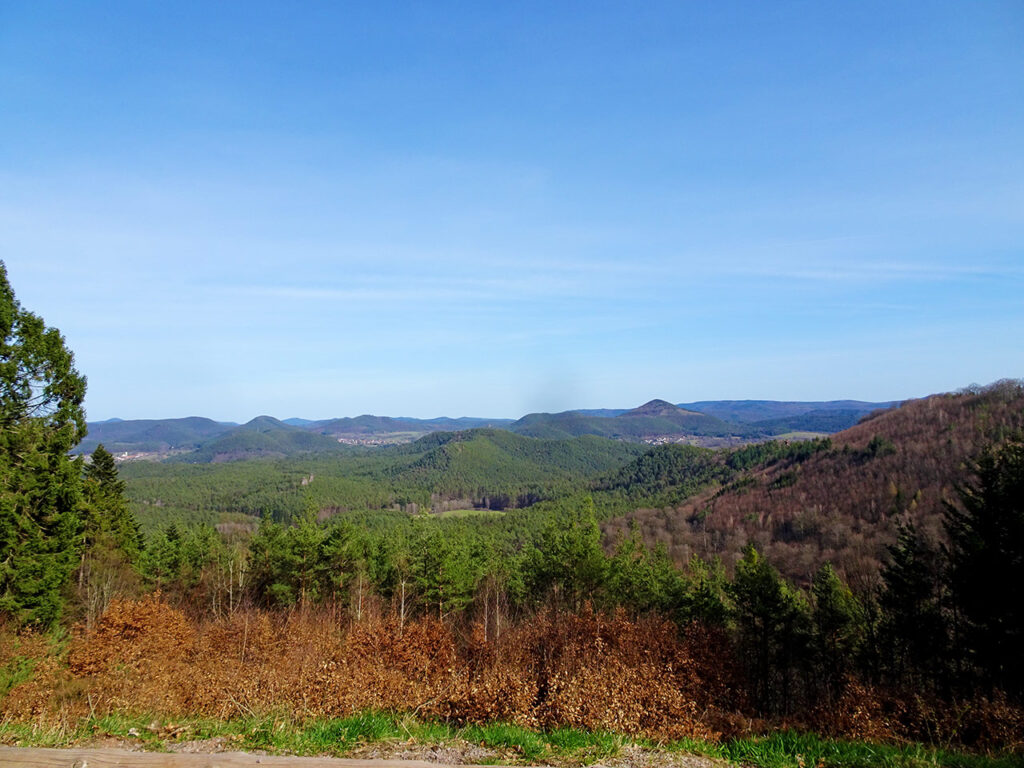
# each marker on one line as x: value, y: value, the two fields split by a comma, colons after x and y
x: 505, y: 548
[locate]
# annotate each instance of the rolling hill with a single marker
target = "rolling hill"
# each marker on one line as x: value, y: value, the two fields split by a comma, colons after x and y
x: 657, y: 418
x: 156, y: 435
x: 263, y: 437
x: 492, y: 469
x: 385, y: 425
x: 708, y: 422
x: 481, y: 462
x: 840, y: 504
x: 766, y: 411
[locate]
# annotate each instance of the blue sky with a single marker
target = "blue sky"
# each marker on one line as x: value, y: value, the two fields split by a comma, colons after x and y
x: 328, y: 209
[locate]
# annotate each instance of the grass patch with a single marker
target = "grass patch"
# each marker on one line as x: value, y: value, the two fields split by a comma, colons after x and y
x: 522, y: 741
x: 586, y: 746
x: 462, y: 513
x: 513, y: 743
x: 17, y: 670
x: 337, y: 736
x: 789, y: 749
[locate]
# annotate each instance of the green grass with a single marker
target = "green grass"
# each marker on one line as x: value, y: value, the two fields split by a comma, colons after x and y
x: 789, y: 749
x: 511, y: 743
x: 18, y: 670
x: 521, y: 741
x: 471, y: 513
x: 21, y: 668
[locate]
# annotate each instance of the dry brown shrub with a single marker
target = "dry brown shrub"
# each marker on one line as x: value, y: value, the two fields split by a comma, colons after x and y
x: 884, y: 715
x: 587, y: 669
x: 608, y: 672
x: 240, y: 663
x: 991, y: 723
x: 722, y: 684
x: 496, y: 682
x: 137, y: 658
x: 132, y: 633
x: 38, y: 699
x: 859, y: 713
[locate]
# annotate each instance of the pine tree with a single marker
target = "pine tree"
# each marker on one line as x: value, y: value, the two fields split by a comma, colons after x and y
x: 111, y: 540
x: 773, y: 625
x: 705, y: 595
x: 913, y: 628
x: 986, y: 565
x: 107, y: 510
x: 306, y: 539
x: 41, y: 420
x: 838, y: 628
x: 569, y: 561
x: 272, y: 564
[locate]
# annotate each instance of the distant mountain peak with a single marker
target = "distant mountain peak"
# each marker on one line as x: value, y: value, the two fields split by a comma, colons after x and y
x: 263, y: 423
x: 657, y: 408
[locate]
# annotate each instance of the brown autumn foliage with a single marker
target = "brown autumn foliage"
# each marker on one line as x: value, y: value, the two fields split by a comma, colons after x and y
x: 838, y: 506
x: 588, y: 669
x: 879, y: 715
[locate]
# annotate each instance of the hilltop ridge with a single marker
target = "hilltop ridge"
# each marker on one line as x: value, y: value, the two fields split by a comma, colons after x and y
x: 199, y: 439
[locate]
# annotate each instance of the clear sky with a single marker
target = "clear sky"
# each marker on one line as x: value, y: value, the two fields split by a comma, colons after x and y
x: 324, y: 209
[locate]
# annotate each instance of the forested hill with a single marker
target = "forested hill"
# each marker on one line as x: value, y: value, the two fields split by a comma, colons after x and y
x: 842, y: 504
x: 263, y: 437
x: 710, y: 422
x: 152, y: 435
x: 487, y: 469
x: 763, y: 411
x: 656, y: 418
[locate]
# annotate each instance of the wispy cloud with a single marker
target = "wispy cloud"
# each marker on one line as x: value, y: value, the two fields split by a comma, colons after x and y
x: 872, y: 272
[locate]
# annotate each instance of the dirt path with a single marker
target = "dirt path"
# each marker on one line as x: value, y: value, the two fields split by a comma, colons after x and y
x: 121, y: 758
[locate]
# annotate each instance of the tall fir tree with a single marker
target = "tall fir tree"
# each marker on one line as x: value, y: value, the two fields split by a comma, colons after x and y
x: 986, y: 566
x: 41, y: 420
x: 774, y: 629
x: 111, y: 540
x: 107, y: 510
x: 913, y: 628
x: 838, y: 629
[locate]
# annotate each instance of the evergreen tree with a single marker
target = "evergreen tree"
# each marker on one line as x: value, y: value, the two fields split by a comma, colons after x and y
x: 106, y: 508
x: 986, y: 565
x: 773, y: 626
x: 41, y: 420
x: 443, y: 570
x: 305, y: 540
x: 912, y: 627
x: 272, y: 564
x: 640, y: 579
x: 111, y: 541
x: 569, y: 560
x: 704, y: 595
x: 838, y: 628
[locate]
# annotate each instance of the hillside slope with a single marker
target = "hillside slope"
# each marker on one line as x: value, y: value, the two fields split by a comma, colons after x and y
x: 657, y: 418
x: 465, y: 463
x: 750, y: 411
x: 442, y: 471
x: 156, y: 435
x: 263, y: 437
x: 840, y: 505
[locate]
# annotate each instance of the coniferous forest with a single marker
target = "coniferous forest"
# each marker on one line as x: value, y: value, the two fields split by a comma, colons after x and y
x: 869, y: 585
